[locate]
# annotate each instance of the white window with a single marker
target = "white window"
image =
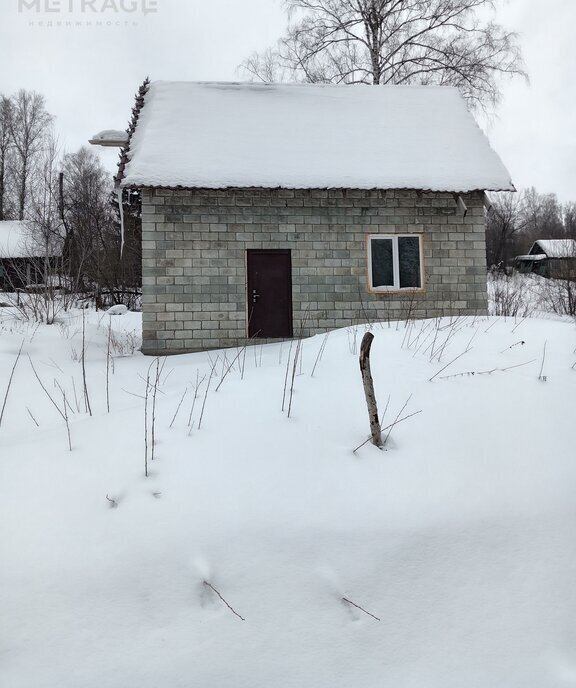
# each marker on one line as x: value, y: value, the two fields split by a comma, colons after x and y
x: 395, y: 262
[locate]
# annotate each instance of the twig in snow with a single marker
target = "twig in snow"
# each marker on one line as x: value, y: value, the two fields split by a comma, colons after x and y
x: 66, y: 419
x: 196, y: 388
x: 520, y: 343
x: 179, y: 405
x: 206, y: 395
x: 133, y: 394
x: 391, y: 427
x: 57, y: 384
x: 486, y: 372
x: 472, y: 338
x: 243, y: 366
x: 320, y: 353
x: 56, y: 366
x: 153, y: 385
x: 75, y: 395
x: 83, y: 361
x: 541, y: 377
x: 449, y: 364
x: 385, y: 410
x: 209, y: 585
x: 146, y: 424
x: 396, y: 422
x: 45, y: 390
x: 286, y: 375
x: 159, y: 369
x: 113, y: 502
x: 229, y: 368
x: 10, y: 382
x: 108, y: 344
x: 31, y: 416
x: 451, y: 333
x: 297, y: 355
x: 345, y: 599
x: 519, y: 323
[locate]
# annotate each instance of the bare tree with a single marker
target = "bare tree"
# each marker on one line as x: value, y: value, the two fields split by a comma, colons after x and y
x: 569, y: 220
x: 5, y: 151
x: 92, y: 247
x: 542, y: 215
x: 392, y: 42
x: 30, y: 125
x: 504, y: 226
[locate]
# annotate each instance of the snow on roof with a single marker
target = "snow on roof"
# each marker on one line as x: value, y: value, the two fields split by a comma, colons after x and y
x: 18, y: 240
x: 557, y: 248
x: 109, y: 137
x: 535, y: 257
x: 218, y: 135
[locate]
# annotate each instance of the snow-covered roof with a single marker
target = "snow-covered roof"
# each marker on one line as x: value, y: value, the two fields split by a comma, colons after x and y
x: 536, y: 257
x: 19, y: 240
x: 110, y: 137
x: 556, y: 248
x: 218, y: 135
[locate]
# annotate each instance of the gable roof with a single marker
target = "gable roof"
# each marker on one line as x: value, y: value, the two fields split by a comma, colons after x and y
x: 218, y: 135
x: 556, y: 248
x: 19, y: 240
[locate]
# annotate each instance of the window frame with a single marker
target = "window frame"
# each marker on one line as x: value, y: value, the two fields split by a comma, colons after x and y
x: 395, y: 288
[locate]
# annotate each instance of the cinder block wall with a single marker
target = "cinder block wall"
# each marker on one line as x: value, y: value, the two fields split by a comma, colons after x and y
x: 194, y: 245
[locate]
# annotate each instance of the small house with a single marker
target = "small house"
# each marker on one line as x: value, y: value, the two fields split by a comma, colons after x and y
x: 274, y: 210
x: 554, y: 258
x: 25, y: 257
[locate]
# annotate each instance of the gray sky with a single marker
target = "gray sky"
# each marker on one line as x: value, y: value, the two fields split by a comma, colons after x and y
x: 89, y: 72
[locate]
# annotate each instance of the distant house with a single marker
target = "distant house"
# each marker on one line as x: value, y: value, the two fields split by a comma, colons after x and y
x: 24, y: 257
x: 270, y: 210
x: 550, y: 258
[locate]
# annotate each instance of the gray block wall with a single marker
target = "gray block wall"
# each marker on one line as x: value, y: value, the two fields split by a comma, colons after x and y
x: 194, y: 255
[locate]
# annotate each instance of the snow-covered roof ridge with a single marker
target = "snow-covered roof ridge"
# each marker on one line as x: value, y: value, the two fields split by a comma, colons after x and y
x: 222, y: 135
x: 556, y: 248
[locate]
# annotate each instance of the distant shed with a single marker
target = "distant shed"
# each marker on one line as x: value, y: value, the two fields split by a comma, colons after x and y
x: 24, y: 256
x: 554, y: 258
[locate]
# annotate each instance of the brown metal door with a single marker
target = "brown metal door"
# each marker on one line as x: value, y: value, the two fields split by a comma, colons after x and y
x: 269, y: 293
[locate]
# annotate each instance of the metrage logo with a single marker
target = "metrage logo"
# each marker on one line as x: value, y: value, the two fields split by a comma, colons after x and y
x: 94, y: 7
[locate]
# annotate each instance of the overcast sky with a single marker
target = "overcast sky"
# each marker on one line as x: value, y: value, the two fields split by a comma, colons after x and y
x: 89, y: 72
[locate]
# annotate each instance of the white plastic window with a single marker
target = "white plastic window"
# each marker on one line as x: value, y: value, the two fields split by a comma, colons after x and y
x: 395, y: 262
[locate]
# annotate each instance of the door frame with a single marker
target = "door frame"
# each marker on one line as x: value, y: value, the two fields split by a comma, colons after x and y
x: 276, y: 251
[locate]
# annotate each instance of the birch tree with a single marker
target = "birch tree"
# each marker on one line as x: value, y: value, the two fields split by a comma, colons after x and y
x: 393, y: 42
x: 30, y: 125
x: 5, y: 150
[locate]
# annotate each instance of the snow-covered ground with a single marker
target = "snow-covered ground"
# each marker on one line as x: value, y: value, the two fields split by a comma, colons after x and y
x: 458, y: 537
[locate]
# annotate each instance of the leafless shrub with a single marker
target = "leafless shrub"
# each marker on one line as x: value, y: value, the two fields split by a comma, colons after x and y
x: 125, y: 343
x: 507, y: 295
x: 559, y: 296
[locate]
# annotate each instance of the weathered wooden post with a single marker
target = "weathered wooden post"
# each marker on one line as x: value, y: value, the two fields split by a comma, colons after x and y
x: 369, y: 389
